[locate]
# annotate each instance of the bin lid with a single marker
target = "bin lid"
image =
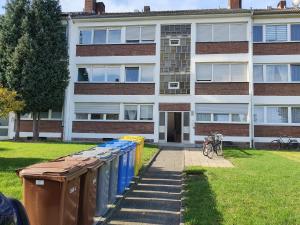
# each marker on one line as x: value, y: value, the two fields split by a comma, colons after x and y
x: 54, y: 170
x: 88, y: 162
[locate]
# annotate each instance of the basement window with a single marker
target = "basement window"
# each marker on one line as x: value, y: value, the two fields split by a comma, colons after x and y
x: 174, y: 42
x: 173, y: 85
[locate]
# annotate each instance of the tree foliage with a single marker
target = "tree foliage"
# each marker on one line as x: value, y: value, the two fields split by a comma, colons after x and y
x: 9, y: 102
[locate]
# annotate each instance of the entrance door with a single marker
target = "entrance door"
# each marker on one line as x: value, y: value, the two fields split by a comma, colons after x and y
x: 174, y: 127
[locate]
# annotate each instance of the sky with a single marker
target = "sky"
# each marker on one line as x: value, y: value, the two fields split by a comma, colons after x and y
x: 131, y: 5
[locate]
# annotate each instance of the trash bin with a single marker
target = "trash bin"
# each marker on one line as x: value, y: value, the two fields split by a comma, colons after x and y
x: 139, y: 140
x: 22, y: 217
x: 102, y: 196
x: 88, y: 188
x: 7, y: 213
x: 51, y: 192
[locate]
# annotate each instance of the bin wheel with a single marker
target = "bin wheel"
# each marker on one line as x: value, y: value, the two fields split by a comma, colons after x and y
x: 22, y: 217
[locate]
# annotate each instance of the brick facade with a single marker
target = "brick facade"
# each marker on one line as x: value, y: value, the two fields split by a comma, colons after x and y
x: 46, y: 126
x: 169, y: 107
x: 221, y: 88
x: 292, y: 48
x: 116, y: 50
x: 276, y: 131
x: 225, y: 129
x: 277, y: 89
x: 113, y: 127
x: 222, y: 47
x: 114, y: 89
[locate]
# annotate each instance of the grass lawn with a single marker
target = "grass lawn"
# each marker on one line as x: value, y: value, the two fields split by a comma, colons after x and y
x: 17, y: 155
x: 262, y: 189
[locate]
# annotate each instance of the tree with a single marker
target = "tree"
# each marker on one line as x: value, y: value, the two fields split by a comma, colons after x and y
x: 47, y: 74
x: 9, y: 102
x: 12, y: 31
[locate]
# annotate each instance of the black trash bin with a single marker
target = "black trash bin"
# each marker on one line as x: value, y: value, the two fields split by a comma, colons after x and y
x: 7, y: 212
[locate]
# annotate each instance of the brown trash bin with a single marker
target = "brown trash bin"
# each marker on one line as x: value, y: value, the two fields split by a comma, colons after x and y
x: 88, y: 189
x: 51, y: 192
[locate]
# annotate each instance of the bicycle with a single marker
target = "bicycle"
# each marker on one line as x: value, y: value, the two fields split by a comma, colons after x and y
x: 280, y: 143
x: 213, y: 144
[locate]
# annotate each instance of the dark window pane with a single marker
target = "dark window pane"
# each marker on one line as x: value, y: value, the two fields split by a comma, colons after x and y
x: 162, y: 119
x: 4, y: 132
x: 257, y: 33
x: 132, y: 74
x: 186, y: 121
x: 82, y: 116
x: 295, y: 32
x: 97, y: 116
x: 44, y: 115
x: 161, y: 136
x: 295, y: 72
x: 186, y: 137
x: 295, y: 115
x: 83, y: 74
x: 112, y: 116
x: 56, y: 115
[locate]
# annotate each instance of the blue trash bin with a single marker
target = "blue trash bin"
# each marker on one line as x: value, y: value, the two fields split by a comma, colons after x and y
x: 7, y: 212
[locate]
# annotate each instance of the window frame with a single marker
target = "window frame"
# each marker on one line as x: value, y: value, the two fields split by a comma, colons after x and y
x: 6, y: 128
x: 230, y: 121
x: 138, y: 112
x: 141, y: 41
x: 97, y: 120
x: 107, y: 29
x: 50, y: 111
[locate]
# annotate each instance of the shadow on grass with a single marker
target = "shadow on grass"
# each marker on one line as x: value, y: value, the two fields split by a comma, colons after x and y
x: 200, y: 203
x: 237, y: 153
x: 12, y: 164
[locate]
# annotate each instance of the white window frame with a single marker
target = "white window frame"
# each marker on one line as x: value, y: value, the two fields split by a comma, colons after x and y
x: 138, y: 112
x: 230, y: 73
x: 140, y: 74
x: 105, y: 72
x: 265, y: 73
x: 90, y: 117
x: 265, y: 122
x: 140, y: 34
x: 48, y: 118
x: 5, y: 128
x: 230, y: 121
x: 92, y: 29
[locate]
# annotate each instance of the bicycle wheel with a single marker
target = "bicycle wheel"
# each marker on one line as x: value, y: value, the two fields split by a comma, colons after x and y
x: 219, y: 150
x: 205, y: 151
x: 275, y: 145
x: 210, y: 151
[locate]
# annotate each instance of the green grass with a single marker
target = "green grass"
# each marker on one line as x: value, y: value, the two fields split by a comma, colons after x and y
x: 262, y: 189
x: 15, y: 155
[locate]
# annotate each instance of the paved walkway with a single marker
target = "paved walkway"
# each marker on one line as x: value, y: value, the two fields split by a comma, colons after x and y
x: 157, y: 198
x: 194, y: 157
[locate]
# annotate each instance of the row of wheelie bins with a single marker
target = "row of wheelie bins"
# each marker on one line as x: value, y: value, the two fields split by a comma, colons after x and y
x: 75, y: 189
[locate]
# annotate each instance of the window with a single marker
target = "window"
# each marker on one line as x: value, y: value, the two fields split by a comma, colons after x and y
x: 174, y: 42
x: 221, y: 117
x: 56, y: 115
x: 258, y: 73
x: 112, y: 116
x: 113, y: 74
x: 140, y: 34
x: 82, y: 116
x: 276, y: 33
x: 99, y: 37
x: 44, y: 115
x: 162, y: 119
x: 4, y: 132
x: 277, y: 114
x: 221, y: 32
x: 173, y: 85
x: 130, y: 112
x: 257, y: 33
x: 132, y: 74
x: 259, y: 114
x: 295, y: 114
x: 85, y: 37
x: 98, y: 74
x: 105, y: 74
x: 295, y: 32
x: 221, y: 72
x: 114, y: 36
x: 83, y: 74
x: 235, y: 113
x: 97, y: 111
x: 26, y: 116
x: 3, y: 122
x: 146, y: 112
x: 98, y: 116
x: 277, y: 73
x: 147, y: 73
x: 295, y: 73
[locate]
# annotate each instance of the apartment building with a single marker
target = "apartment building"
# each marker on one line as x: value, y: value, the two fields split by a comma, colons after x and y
x: 177, y: 76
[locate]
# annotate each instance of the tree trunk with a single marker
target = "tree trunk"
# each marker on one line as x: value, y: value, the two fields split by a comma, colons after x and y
x: 17, y: 126
x: 35, y: 126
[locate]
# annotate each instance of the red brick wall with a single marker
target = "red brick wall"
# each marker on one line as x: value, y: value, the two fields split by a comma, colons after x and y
x: 114, y: 89
x: 225, y: 129
x: 116, y: 50
x: 51, y: 126
x: 276, y: 48
x: 222, y: 47
x: 113, y: 127
x: 221, y: 88
x: 174, y: 107
x: 276, y: 131
x: 277, y: 89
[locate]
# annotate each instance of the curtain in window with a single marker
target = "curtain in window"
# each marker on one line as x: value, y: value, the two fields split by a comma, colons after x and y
x: 295, y: 32
x: 276, y: 32
x: 131, y: 112
x: 258, y: 73
x: 146, y: 112
x: 204, y: 32
x: 277, y: 73
x: 295, y: 69
x: 277, y: 114
x: 295, y: 114
x: 204, y: 72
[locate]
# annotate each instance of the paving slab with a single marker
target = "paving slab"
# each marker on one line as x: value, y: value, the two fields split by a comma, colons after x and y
x: 157, y: 197
x: 195, y: 157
